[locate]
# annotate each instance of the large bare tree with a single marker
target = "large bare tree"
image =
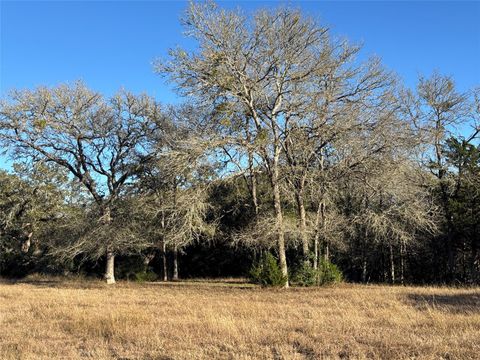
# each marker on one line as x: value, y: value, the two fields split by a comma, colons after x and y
x: 282, y: 72
x: 101, y: 142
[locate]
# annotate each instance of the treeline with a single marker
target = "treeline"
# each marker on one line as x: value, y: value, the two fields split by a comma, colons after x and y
x: 286, y: 144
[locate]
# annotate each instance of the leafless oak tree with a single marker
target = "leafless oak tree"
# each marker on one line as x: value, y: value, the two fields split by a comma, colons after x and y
x: 101, y: 142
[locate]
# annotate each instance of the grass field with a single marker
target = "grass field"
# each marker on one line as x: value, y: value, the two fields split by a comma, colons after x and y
x: 59, y: 319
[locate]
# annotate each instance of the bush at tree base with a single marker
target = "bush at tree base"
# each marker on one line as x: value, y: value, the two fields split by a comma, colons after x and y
x: 327, y: 273
x: 267, y: 272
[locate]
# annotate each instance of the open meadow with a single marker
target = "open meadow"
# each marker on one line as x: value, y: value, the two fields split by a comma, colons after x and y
x: 78, y: 319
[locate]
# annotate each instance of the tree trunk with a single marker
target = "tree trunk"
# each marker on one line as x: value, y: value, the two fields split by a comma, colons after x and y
x: 164, y: 249
x: 402, y: 262
x: 386, y: 277
x: 315, y: 251
x: 364, y: 258
x: 364, y: 270
x: 392, y: 264
x: 279, y: 217
x: 320, y: 222
x: 175, y: 263
x: 302, y: 217
x: 164, y: 261
x: 327, y: 252
x: 253, y: 182
x: 316, y: 238
x: 109, y: 275
x: 110, y: 268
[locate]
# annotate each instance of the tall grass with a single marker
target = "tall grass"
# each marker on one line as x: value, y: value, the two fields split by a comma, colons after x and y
x: 56, y: 319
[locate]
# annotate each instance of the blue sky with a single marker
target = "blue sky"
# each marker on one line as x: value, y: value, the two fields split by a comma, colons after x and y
x: 111, y: 44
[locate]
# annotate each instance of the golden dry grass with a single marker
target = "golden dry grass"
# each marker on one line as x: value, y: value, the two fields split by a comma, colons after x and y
x: 58, y: 319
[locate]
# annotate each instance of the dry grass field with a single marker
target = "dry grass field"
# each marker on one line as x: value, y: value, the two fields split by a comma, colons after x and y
x: 59, y: 319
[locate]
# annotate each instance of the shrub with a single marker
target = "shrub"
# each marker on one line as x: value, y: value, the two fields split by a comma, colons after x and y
x: 305, y: 275
x: 267, y: 272
x: 143, y: 276
x: 327, y: 273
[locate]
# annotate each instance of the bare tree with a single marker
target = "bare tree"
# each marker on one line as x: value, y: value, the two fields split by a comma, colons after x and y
x: 102, y: 143
x: 273, y: 69
x: 437, y: 110
x: 174, y: 188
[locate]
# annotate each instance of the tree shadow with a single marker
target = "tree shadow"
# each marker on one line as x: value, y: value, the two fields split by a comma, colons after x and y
x: 468, y: 303
x: 91, y: 283
x: 234, y: 281
x: 56, y: 283
x: 202, y: 284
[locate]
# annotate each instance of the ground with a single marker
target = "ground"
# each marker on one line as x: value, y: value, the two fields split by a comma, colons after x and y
x: 78, y: 319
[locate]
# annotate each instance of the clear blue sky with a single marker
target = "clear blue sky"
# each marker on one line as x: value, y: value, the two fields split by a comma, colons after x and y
x: 111, y: 44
